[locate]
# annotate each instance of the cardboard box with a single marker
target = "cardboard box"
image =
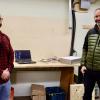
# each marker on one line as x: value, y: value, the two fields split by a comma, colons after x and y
x: 70, y: 59
x: 38, y: 92
x: 77, y: 92
x: 38, y: 97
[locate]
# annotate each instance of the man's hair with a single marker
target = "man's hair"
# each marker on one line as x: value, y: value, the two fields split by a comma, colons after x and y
x: 1, y: 17
x: 97, y: 9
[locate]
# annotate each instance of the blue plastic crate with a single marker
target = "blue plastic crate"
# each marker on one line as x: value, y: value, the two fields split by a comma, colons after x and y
x: 55, y: 93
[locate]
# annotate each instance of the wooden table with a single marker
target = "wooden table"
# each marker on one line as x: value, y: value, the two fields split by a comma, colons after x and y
x: 67, y: 71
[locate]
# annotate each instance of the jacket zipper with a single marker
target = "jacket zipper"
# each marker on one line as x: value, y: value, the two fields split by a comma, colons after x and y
x: 94, y: 50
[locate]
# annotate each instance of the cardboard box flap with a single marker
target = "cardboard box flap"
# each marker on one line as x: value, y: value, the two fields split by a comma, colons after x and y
x: 38, y: 89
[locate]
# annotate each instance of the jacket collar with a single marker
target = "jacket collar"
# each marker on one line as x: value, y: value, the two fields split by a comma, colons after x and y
x: 96, y: 28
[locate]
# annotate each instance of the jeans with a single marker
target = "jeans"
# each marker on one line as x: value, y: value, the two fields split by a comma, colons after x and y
x: 5, y: 91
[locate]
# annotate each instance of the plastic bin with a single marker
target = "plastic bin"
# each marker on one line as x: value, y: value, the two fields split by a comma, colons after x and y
x: 55, y: 93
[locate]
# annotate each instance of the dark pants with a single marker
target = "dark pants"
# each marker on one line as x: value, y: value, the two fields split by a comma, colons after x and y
x: 90, y: 78
x: 80, y: 76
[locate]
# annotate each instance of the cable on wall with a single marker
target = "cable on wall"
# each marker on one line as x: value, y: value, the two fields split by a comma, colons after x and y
x: 73, y: 28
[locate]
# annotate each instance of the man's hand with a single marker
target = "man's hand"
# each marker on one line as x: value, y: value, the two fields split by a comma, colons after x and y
x: 83, y: 69
x: 6, y: 74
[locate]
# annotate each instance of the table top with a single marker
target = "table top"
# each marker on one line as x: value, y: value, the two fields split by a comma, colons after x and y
x: 44, y: 65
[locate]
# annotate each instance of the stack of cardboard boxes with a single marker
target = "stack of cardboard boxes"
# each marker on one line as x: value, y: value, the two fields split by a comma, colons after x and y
x: 77, y: 92
x: 38, y: 92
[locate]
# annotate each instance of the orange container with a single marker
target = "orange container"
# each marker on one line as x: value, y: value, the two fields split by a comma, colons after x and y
x: 12, y: 93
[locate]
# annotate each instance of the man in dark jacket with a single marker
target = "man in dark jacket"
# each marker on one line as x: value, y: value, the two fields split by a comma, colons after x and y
x: 6, y: 64
x: 91, y: 58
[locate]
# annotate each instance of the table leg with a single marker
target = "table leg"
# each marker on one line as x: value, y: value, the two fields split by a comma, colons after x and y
x: 67, y: 78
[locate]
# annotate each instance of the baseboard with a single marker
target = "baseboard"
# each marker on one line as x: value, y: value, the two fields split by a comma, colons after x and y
x: 22, y: 98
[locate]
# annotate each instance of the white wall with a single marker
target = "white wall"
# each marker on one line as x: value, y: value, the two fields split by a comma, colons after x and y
x: 42, y: 27
x: 24, y: 80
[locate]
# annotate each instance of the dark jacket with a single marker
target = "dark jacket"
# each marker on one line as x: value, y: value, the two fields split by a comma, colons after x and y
x: 91, y: 50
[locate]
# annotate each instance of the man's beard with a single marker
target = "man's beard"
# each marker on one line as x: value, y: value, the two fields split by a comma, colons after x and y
x: 97, y: 22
